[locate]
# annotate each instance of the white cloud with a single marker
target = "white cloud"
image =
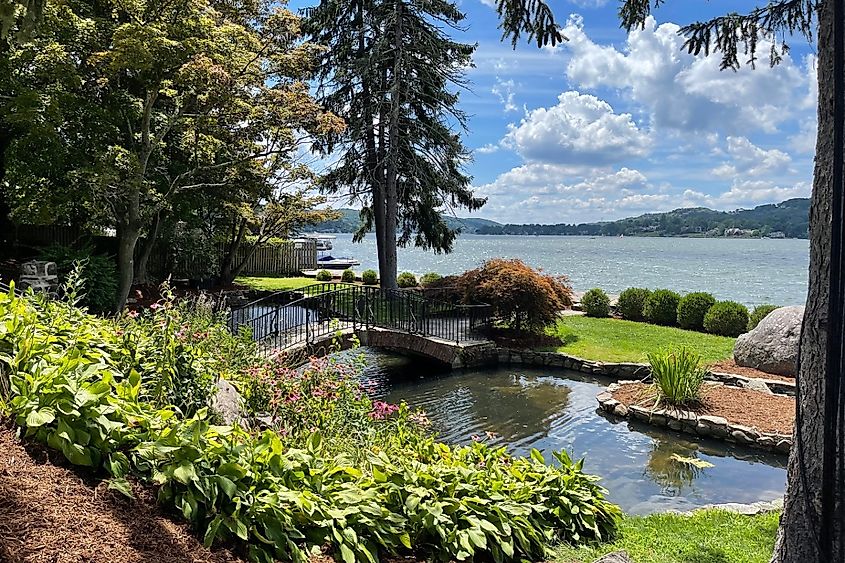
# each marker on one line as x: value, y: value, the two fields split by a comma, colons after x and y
x: 488, y: 148
x: 747, y: 159
x: 683, y: 92
x: 505, y: 91
x: 580, y: 129
x: 748, y: 193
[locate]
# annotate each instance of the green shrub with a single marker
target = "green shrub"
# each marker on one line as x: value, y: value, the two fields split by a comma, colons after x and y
x: 631, y: 303
x: 324, y: 276
x: 430, y: 278
x: 760, y: 312
x: 288, y: 493
x: 369, y: 277
x: 726, y: 318
x: 692, y: 308
x: 406, y: 279
x: 348, y: 276
x: 661, y: 307
x: 677, y: 375
x: 98, y: 273
x: 596, y: 303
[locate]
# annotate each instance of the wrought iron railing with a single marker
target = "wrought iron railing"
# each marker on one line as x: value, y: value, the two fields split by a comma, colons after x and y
x: 313, y: 313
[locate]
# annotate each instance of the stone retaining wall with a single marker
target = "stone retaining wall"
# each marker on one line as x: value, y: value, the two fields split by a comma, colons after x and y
x: 692, y: 423
x: 622, y: 371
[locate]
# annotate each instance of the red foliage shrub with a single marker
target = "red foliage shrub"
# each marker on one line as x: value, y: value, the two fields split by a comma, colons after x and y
x: 523, y: 298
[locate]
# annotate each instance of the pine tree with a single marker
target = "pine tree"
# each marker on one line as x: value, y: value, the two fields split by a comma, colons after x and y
x: 393, y: 73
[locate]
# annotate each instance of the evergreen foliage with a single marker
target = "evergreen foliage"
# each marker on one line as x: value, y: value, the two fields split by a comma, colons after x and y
x: 661, y: 307
x: 692, y: 308
x: 596, y: 303
x: 631, y: 303
x: 726, y: 318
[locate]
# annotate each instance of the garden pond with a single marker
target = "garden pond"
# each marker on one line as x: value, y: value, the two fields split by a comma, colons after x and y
x: 645, y: 469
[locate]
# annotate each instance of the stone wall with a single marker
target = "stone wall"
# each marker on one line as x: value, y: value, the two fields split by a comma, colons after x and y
x: 691, y: 423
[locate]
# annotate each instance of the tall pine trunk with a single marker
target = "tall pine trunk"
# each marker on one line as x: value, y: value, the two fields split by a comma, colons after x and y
x: 798, y: 533
x: 391, y: 198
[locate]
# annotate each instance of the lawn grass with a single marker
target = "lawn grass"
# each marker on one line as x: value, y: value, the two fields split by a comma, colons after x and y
x: 614, y: 340
x: 708, y: 536
x: 275, y: 284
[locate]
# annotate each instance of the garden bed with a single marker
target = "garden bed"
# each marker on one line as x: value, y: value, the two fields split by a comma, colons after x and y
x: 52, y: 514
x: 729, y: 366
x: 730, y: 413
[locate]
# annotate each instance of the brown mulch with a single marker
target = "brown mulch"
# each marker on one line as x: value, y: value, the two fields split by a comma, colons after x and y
x: 49, y: 513
x: 766, y: 413
x: 520, y: 339
x: 729, y: 366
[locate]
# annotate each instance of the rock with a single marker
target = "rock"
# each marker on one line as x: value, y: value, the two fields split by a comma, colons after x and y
x: 615, y: 557
x: 757, y: 385
x: 773, y: 345
x: 227, y: 402
x: 620, y: 410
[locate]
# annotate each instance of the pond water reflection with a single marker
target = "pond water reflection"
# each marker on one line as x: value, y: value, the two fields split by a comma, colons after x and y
x: 645, y: 469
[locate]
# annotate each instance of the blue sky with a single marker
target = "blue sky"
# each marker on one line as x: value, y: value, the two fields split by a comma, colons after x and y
x: 610, y: 125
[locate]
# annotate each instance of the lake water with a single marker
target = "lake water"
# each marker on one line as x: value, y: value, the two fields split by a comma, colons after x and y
x: 554, y: 410
x: 751, y: 271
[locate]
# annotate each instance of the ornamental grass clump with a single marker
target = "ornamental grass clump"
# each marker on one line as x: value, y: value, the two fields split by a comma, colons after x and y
x: 678, y: 376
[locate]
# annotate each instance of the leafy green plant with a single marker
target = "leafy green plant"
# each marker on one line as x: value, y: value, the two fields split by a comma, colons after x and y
x: 406, y: 280
x: 596, y: 303
x: 369, y: 277
x: 324, y: 276
x: 98, y: 273
x: 632, y: 302
x: 429, y: 278
x: 348, y: 276
x: 759, y: 313
x: 661, y: 307
x: 692, y: 308
x: 677, y: 375
x: 726, y: 318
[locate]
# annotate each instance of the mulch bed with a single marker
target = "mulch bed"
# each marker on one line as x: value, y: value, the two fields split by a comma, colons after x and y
x: 508, y: 338
x: 729, y: 366
x: 49, y: 513
x: 766, y: 413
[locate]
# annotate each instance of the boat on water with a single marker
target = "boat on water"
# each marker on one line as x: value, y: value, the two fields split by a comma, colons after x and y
x: 329, y: 262
x: 324, y: 242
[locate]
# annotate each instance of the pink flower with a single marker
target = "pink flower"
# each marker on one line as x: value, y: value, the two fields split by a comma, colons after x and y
x: 132, y: 314
x: 155, y: 306
x: 382, y: 410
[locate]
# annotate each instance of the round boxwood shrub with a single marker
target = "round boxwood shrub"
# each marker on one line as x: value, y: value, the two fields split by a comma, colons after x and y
x: 596, y: 303
x: 692, y: 308
x: 430, y: 278
x: 631, y: 303
x: 661, y: 307
x: 348, y: 276
x: 760, y: 312
x: 406, y: 279
x: 726, y: 318
x: 369, y: 277
x: 324, y: 276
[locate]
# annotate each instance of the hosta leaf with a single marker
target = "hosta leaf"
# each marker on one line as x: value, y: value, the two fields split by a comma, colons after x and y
x: 227, y: 486
x: 39, y: 418
x: 185, y: 473
x: 122, y: 486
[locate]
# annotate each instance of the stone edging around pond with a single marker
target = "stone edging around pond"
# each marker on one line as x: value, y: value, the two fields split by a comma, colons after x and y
x: 691, y: 423
x: 622, y: 371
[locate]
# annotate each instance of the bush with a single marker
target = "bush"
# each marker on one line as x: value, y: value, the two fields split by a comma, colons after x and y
x: 726, y: 318
x: 661, y: 307
x: 369, y: 277
x: 760, y: 312
x: 348, y: 276
x: 406, y: 279
x: 631, y: 303
x: 596, y: 303
x: 430, y: 278
x: 285, y: 494
x: 522, y: 297
x: 692, y: 308
x: 324, y: 276
x: 677, y: 375
x: 98, y: 273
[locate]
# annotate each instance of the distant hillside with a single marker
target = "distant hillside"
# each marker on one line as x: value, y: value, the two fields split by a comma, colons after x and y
x: 349, y: 222
x: 789, y: 219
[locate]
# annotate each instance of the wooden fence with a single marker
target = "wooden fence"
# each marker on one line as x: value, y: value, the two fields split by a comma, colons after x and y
x: 288, y: 258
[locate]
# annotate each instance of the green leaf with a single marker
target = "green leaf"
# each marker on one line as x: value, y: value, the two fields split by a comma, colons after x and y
x: 185, y: 473
x: 227, y: 486
x: 211, y: 531
x: 122, y: 486
x: 347, y: 554
x: 405, y: 539
x: 39, y: 418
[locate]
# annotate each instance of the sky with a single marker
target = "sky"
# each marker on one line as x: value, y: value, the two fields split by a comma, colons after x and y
x: 610, y: 125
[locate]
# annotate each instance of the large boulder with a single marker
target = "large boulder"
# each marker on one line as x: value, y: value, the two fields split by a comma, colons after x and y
x: 615, y: 557
x: 773, y: 345
x: 227, y: 402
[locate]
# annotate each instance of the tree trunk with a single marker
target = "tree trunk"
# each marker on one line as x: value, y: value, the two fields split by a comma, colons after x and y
x: 141, y: 276
x: 388, y: 276
x: 127, y: 238
x: 228, y: 272
x: 798, y: 533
